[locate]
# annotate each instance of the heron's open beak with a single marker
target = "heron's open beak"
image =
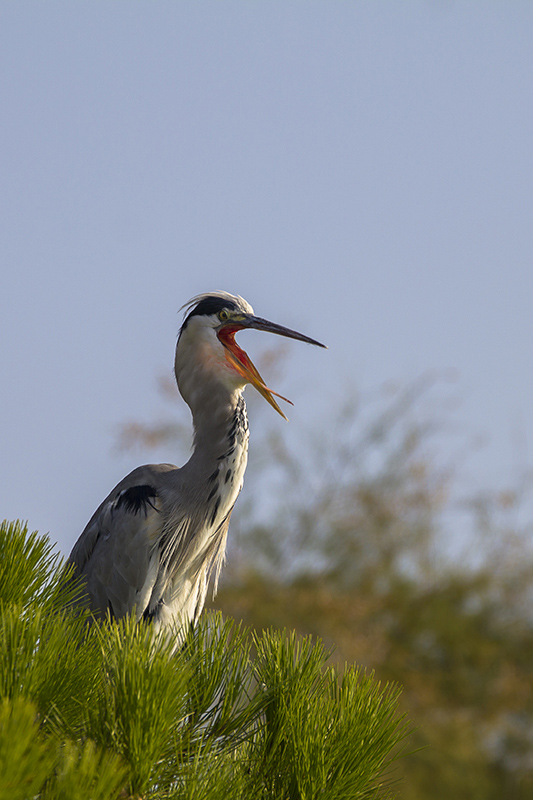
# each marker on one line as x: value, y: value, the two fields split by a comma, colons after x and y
x: 242, y: 362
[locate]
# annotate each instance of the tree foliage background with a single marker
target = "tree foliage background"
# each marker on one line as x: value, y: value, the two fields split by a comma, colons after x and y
x: 362, y: 535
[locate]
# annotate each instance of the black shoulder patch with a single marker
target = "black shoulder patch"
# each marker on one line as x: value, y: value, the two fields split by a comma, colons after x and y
x: 210, y: 305
x: 136, y: 498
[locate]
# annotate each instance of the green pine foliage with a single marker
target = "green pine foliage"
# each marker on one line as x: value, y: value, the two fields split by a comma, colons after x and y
x: 107, y: 710
x: 25, y: 760
x: 322, y: 736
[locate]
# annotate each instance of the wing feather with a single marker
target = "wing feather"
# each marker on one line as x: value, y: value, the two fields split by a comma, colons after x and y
x: 115, y: 555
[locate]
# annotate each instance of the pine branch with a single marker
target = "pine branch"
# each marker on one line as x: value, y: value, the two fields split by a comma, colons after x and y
x: 111, y: 709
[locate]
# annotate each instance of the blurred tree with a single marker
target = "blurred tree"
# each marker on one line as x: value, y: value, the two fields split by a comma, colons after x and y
x: 359, y: 545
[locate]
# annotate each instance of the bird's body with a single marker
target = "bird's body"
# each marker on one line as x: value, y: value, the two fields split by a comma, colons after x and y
x: 155, y: 541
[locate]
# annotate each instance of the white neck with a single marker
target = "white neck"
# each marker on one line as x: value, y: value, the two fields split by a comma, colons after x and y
x: 213, y: 391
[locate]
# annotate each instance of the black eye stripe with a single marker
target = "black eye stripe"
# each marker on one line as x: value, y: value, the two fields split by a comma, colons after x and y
x: 209, y: 306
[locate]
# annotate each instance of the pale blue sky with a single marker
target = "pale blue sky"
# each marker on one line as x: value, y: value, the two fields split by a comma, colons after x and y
x: 360, y: 171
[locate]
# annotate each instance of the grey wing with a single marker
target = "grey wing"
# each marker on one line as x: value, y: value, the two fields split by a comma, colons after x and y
x: 117, y: 554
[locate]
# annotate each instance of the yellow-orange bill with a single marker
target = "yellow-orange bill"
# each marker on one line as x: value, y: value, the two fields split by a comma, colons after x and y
x: 245, y: 367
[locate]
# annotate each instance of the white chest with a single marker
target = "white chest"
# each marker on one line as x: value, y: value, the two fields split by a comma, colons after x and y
x: 196, y: 544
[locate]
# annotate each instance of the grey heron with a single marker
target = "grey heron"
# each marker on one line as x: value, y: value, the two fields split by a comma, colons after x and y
x: 156, y: 540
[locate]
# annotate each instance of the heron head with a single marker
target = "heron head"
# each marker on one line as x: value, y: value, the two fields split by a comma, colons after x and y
x: 207, y: 337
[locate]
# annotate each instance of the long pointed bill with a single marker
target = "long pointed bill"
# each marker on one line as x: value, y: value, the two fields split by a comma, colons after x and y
x: 242, y: 362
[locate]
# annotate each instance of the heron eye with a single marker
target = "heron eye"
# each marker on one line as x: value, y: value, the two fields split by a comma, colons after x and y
x: 223, y: 315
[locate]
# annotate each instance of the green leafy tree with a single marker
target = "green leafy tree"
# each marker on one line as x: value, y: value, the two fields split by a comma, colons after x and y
x: 355, y: 549
x: 369, y: 570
